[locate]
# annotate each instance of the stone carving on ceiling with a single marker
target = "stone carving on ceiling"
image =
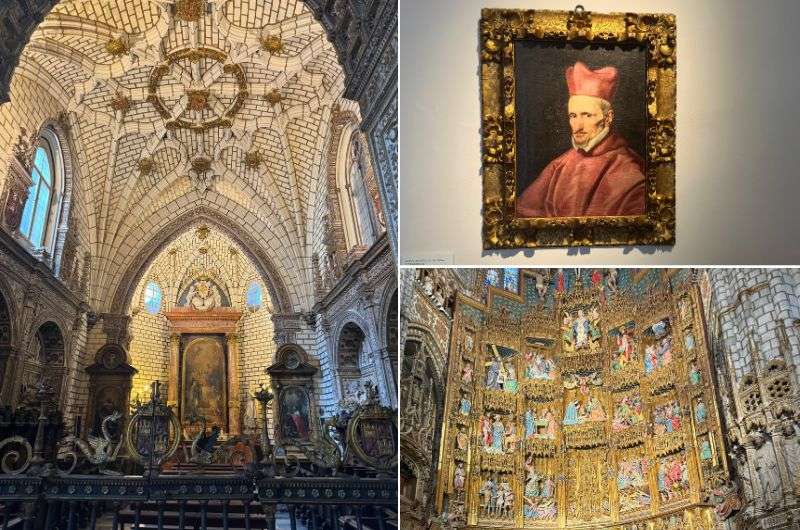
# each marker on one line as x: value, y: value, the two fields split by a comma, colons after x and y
x: 193, y: 96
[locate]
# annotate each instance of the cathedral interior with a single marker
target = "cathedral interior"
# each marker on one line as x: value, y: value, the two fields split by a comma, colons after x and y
x: 600, y: 398
x: 198, y: 279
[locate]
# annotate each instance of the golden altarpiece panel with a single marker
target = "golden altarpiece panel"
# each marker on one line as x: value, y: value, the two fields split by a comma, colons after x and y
x: 574, y: 406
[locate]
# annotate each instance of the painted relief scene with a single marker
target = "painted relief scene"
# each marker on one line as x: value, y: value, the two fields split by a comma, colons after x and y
x: 658, y: 351
x: 579, y: 406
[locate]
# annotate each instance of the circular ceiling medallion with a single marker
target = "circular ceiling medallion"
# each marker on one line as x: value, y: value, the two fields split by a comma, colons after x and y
x: 199, y: 102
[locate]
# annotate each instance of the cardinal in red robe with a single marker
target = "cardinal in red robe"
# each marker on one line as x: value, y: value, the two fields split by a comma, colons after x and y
x: 600, y: 175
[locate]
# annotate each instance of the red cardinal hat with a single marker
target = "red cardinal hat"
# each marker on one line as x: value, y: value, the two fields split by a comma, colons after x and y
x: 598, y: 83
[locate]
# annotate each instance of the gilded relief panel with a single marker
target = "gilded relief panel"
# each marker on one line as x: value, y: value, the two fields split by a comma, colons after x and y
x: 590, y: 407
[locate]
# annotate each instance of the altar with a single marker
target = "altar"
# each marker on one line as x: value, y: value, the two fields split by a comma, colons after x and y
x: 204, y: 359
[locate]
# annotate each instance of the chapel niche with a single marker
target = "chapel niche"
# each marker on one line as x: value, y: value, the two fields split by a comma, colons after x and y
x: 44, y: 362
x: 585, y: 406
x: 296, y: 403
x: 204, y: 358
x: 110, y: 381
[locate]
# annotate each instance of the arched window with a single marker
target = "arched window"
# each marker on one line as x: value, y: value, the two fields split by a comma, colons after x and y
x: 152, y: 298
x: 511, y: 280
x: 254, y: 296
x: 358, y: 220
x: 40, y: 215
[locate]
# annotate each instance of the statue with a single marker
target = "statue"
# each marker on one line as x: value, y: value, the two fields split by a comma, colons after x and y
x: 460, y: 477
x: 767, y: 468
x: 203, y: 446
x: 203, y: 296
x: 101, y: 454
x: 726, y: 499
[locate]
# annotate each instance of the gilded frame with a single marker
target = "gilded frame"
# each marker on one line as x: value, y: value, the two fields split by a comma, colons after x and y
x: 499, y: 29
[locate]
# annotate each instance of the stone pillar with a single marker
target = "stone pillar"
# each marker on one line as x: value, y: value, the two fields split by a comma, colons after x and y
x: 234, y: 398
x: 11, y: 377
x: 174, y: 370
x: 389, y: 382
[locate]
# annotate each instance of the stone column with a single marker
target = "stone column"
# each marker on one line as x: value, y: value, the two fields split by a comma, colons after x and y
x: 234, y: 398
x: 174, y: 370
x: 12, y: 374
x: 389, y: 382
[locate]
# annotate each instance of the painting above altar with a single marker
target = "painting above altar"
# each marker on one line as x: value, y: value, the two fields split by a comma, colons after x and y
x: 204, y: 387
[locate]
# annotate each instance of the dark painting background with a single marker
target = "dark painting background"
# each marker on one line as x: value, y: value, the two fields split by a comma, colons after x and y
x: 543, y: 131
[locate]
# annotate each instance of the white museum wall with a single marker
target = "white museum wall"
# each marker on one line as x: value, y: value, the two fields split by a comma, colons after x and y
x: 738, y: 134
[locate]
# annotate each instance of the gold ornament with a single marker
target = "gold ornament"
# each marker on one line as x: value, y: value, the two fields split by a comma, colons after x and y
x: 117, y: 47
x: 189, y: 10
x: 274, y: 97
x: 253, y: 159
x: 198, y: 100
x: 120, y: 102
x: 272, y: 44
x: 146, y: 166
x: 201, y: 164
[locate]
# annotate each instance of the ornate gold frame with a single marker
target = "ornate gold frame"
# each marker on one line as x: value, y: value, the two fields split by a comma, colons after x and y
x: 499, y: 29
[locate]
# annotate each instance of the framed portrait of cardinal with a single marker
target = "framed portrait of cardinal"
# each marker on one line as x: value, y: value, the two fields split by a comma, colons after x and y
x: 578, y: 128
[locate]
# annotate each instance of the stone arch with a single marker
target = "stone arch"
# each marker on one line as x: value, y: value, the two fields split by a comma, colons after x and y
x: 350, y: 342
x: 45, y: 359
x: 65, y: 244
x: 126, y: 289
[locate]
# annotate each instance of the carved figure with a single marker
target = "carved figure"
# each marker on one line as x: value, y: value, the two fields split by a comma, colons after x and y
x: 203, y: 296
x: 767, y: 468
x: 203, y: 446
x: 99, y: 450
x: 459, y: 477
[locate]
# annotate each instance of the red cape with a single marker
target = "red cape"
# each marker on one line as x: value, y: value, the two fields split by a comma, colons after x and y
x: 609, y: 180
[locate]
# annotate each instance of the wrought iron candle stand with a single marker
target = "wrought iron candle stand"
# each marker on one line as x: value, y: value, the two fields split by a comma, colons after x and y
x: 39, y: 467
x: 264, y: 396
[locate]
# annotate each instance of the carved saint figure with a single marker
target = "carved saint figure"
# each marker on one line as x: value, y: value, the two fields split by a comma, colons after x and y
x: 203, y: 296
x: 489, y: 493
x: 766, y: 466
x: 466, y: 375
x: 498, y: 435
x: 571, y: 413
x: 466, y: 406
x: 462, y: 439
x: 530, y: 423
x: 459, y: 477
x: 694, y: 374
x: 700, y: 412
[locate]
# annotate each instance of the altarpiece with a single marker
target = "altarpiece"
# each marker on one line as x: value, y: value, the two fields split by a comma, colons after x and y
x: 579, y: 403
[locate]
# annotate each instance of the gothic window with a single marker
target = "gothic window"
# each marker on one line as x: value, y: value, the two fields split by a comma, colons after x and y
x: 511, y: 280
x: 40, y: 215
x: 356, y: 214
x: 254, y: 296
x: 492, y: 277
x: 507, y: 279
x: 152, y: 298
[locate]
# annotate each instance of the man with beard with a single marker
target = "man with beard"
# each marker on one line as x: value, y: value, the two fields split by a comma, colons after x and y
x: 600, y: 175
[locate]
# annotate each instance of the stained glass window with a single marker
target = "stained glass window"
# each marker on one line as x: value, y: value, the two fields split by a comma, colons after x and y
x: 152, y: 298
x: 36, y: 214
x: 493, y: 277
x: 254, y: 295
x: 511, y: 280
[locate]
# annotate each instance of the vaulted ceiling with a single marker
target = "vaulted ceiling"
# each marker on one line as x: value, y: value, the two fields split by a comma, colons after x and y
x: 176, y: 104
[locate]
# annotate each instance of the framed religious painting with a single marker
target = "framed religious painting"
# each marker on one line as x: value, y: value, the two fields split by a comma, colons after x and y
x: 578, y: 127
